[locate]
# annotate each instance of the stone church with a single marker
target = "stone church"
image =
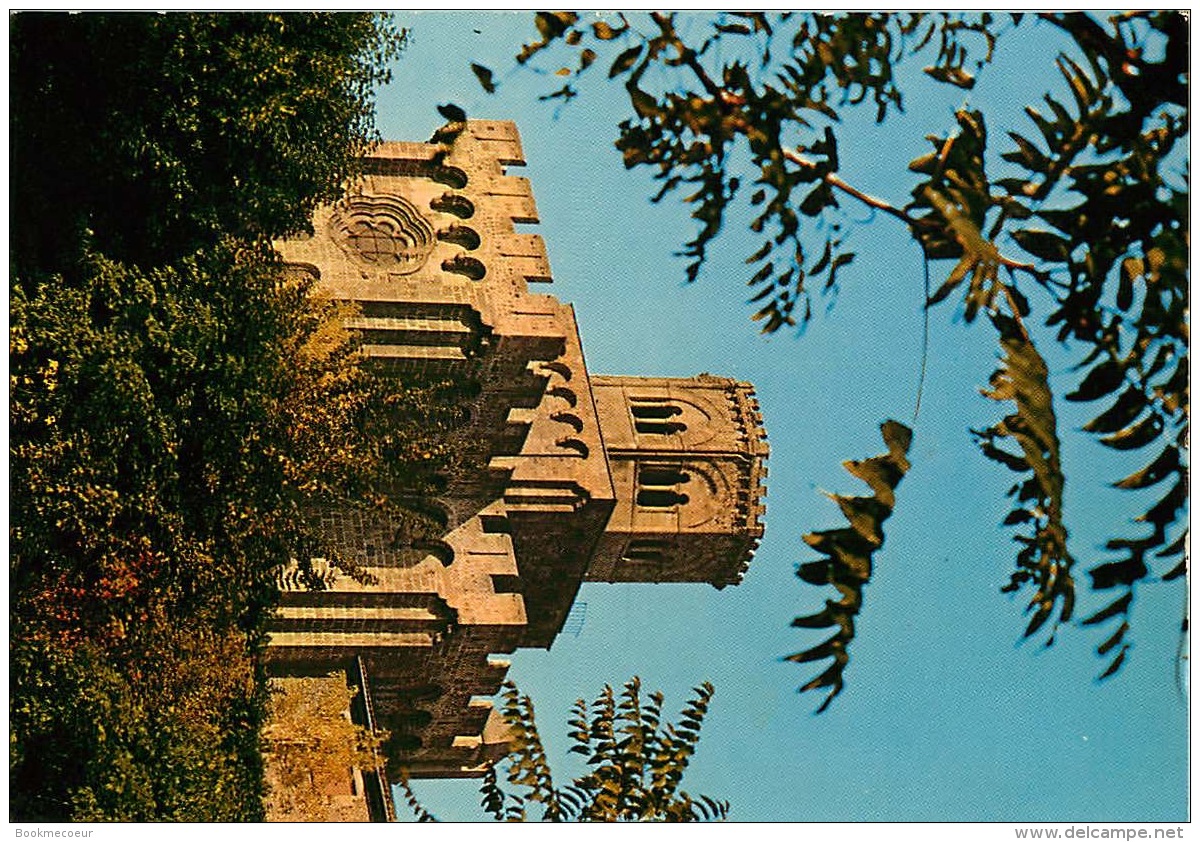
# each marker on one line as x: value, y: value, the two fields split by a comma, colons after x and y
x: 570, y: 476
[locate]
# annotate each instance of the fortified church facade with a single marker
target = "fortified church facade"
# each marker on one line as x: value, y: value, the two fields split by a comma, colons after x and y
x: 567, y: 476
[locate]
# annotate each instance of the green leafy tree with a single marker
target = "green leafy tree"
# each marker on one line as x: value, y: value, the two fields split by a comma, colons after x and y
x: 180, y: 402
x: 1084, y: 236
x: 160, y: 727
x: 635, y: 763
x: 156, y: 134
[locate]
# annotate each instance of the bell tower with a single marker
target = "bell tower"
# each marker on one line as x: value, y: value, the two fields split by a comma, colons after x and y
x: 686, y: 457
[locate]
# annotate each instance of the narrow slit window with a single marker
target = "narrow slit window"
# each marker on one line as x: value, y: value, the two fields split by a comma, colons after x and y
x: 645, y: 550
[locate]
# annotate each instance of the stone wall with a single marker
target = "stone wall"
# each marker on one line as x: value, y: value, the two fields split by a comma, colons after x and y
x: 560, y: 475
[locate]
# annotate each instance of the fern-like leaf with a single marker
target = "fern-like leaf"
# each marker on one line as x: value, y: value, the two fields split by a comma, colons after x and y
x: 493, y: 796
x: 1043, y: 559
x: 410, y: 798
x: 848, y: 557
x: 636, y: 761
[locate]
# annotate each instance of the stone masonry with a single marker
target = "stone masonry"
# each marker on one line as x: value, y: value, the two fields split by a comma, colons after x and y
x: 567, y: 476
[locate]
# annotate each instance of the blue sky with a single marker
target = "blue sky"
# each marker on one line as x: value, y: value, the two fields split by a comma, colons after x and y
x: 946, y: 715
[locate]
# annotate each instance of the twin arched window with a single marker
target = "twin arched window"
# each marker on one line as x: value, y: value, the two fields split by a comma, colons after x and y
x: 660, y: 498
x: 654, y: 417
x: 658, y: 487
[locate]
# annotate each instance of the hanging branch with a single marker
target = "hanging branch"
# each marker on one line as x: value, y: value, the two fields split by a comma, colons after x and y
x: 1043, y: 558
x: 410, y: 798
x: 848, y: 562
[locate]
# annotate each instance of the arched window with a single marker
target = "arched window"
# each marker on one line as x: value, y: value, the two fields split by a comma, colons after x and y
x: 660, y: 498
x: 659, y: 428
x: 660, y: 477
x: 652, y: 416
x: 658, y: 486
x: 460, y: 206
x: 460, y: 235
x: 463, y: 265
x: 655, y: 411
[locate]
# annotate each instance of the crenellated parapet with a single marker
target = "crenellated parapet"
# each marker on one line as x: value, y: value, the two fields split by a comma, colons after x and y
x: 751, y: 497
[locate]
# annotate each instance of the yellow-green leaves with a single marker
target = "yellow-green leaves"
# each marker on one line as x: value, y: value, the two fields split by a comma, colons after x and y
x: 848, y: 554
x: 635, y: 761
x: 1043, y: 560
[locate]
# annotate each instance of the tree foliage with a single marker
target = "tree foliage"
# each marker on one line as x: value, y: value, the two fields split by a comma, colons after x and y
x: 172, y: 432
x: 1084, y: 232
x: 179, y: 402
x: 1043, y: 559
x: 156, y: 134
x: 847, y: 564
x: 635, y: 762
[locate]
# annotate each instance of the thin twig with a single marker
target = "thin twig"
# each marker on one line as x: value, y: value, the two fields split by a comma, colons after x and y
x: 1016, y: 312
x: 866, y: 198
x: 924, y: 345
x: 833, y: 180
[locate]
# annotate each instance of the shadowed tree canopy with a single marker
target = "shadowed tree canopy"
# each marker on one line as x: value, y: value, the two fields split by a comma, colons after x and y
x: 1070, y: 227
x: 179, y: 401
x: 157, y: 133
